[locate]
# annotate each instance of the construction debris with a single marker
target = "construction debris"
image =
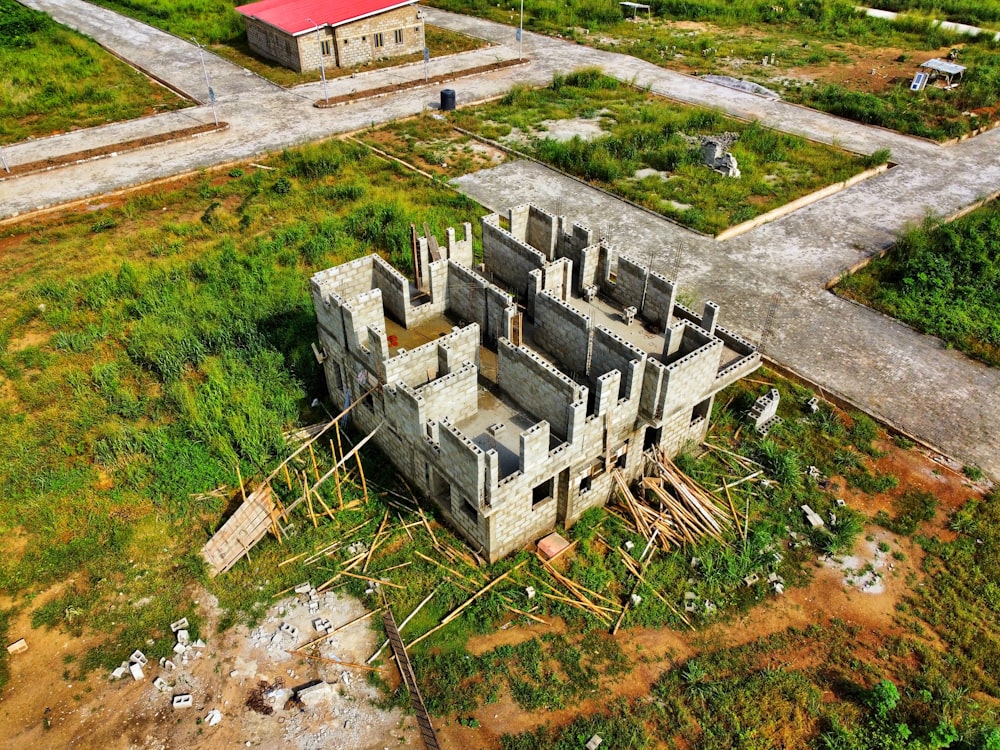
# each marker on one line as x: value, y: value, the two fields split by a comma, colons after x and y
x: 686, y: 510
x: 18, y: 647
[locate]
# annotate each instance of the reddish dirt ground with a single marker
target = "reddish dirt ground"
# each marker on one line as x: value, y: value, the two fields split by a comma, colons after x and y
x: 97, y: 713
x: 828, y: 596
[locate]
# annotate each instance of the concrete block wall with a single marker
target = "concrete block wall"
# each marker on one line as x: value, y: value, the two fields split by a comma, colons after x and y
x: 563, y: 333
x: 508, y: 258
x: 460, y: 250
x: 691, y: 378
x: 542, y: 231
x: 348, y: 279
x: 585, y: 266
x: 273, y: 43
x: 611, y: 352
x: 360, y: 313
x: 558, y: 278
x: 461, y: 461
x: 630, y: 278
x: 661, y: 295
x: 451, y: 397
x: 538, y: 387
x: 329, y: 307
x: 394, y: 286
x: 417, y: 366
x: 471, y: 297
x: 576, y: 238
x: 310, y: 46
x: 356, y: 42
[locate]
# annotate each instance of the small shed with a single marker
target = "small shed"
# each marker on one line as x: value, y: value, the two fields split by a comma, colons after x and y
x: 937, y: 68
x: 636, y: 7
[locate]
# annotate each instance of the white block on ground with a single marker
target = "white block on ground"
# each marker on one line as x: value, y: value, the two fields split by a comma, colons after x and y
x: 178, y: 625
x: 183, y: 701
x: 315, y: 695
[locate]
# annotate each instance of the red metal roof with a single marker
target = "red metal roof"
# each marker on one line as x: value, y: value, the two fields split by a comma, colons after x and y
x: 298, y: 16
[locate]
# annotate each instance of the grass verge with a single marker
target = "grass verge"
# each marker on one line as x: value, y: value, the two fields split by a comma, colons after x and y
x: 642, y: 147
x: 53, y: 79
x: 943, y: 279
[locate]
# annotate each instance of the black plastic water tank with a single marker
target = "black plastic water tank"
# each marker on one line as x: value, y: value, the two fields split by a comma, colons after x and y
x: 447, y: 100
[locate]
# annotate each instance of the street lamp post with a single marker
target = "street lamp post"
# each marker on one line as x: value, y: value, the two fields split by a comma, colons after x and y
x: 520, y: 33
x: 208, y: 85
x: 322, y: 61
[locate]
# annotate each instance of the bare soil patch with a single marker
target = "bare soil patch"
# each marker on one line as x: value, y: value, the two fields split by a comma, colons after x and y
x: 46, y: 706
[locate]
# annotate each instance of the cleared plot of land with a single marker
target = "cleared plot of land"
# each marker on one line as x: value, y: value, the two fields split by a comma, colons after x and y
x: 824, y: 54
x: 943, y: 279
x: 639, y: 146
x: 52, y: 79
x: 215, y: 23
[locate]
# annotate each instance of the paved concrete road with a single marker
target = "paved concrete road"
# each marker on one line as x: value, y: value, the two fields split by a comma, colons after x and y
x: 904, y: 377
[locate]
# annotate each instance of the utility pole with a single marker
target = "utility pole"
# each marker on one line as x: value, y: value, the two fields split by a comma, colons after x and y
x: 208, y: 85
x: 322, y: 60
x: 520, y: 33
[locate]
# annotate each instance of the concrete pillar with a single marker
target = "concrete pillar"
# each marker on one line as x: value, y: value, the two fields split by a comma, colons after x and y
x: 709, y: 316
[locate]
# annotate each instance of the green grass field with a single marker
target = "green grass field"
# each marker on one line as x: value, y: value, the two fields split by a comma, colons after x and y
x: 943, y: 279
x: 984, y: 13
x: 53, y: 79
x: 812, y: 42
x: 645, y: 132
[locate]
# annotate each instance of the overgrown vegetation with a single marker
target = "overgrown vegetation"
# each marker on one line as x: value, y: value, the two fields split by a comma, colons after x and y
x: 799, y: 41
x: 943, y: 279
x: 824, y: 687
x: 54, y: 79
x: 973, y: 12
x: 650, y: 150
x: 150, y: 348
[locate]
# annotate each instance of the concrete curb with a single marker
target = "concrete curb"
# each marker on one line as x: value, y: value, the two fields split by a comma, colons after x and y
x: 802, y: 202
x: 166, y: 137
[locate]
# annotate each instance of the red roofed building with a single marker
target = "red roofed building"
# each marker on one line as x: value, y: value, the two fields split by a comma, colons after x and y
x: 343, y: 33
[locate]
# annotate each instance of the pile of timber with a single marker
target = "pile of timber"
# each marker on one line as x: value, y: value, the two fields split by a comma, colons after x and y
x: 685, y: 512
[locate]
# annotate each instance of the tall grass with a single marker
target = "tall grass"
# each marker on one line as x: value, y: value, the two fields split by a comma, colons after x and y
x: 150, y: 348
x: 647, y: 132
x: 54, y: 79
x: 942, y: 279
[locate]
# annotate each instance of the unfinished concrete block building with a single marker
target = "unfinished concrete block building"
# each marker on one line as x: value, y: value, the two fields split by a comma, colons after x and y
x: 508, y: 395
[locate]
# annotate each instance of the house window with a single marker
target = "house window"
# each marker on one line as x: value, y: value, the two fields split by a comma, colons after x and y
x: 378, y: 40
x: 325, y: 46
x: 541, y: 493
x: 586, y: 484
x: 470, y: 510
x: 399, y: 36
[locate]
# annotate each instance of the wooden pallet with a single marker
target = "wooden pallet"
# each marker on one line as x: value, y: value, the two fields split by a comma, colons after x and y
x: 409, y: 679
x: 247, y: 526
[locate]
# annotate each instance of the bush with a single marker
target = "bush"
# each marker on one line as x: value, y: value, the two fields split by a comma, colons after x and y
x: 912, y: 508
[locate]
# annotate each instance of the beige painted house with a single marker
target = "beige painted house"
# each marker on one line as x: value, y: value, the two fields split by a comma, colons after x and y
x: 342, y: 33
